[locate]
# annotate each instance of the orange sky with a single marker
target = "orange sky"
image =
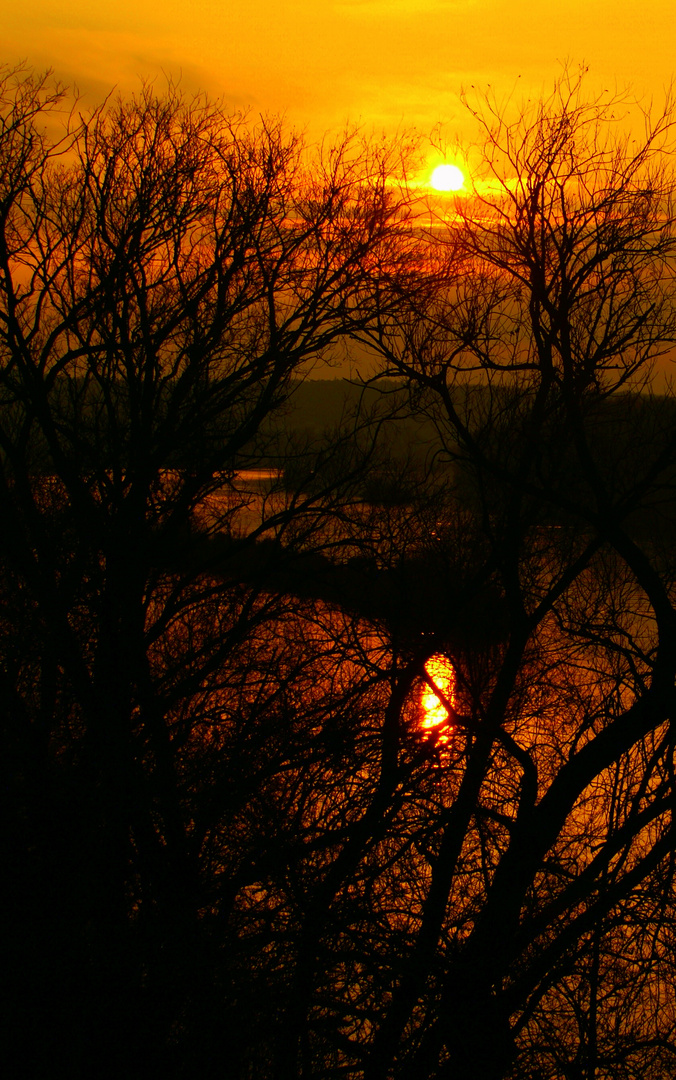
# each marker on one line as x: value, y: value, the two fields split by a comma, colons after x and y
x: 385, y: 62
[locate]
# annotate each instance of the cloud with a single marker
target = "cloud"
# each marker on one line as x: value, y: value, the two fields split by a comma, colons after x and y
x: 98, y: 62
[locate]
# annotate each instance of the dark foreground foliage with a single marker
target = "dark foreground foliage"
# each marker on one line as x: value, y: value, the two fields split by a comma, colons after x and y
x: 232, y: 847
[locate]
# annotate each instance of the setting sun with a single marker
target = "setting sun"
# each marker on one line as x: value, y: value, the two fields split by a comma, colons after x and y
x: 447, y: 178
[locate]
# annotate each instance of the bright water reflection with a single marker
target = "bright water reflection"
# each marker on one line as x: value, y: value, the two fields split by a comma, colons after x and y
x: 436, y: 698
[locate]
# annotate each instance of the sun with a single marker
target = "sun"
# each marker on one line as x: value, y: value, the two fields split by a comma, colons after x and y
x: 447, y: 178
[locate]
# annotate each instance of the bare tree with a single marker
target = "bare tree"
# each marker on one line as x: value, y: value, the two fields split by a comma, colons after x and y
x: 166, y: 270
x: 561, y: 299
x: 238, y: 849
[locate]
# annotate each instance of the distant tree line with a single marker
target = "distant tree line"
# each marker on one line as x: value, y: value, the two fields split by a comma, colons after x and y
x: 232, y: 848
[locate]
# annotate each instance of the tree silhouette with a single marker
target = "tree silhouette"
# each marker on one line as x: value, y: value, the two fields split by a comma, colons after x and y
x: 166, y: 271
x: 562, y: 829
x: 236, y: 849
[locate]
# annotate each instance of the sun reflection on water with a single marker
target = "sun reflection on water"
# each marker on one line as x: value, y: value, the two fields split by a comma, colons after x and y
x: 434, y: 711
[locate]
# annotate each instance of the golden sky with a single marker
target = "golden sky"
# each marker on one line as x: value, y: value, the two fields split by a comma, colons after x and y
x: 386, y: 63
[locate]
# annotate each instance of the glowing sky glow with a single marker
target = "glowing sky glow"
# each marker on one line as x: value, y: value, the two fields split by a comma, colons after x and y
x: 386, y: 63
